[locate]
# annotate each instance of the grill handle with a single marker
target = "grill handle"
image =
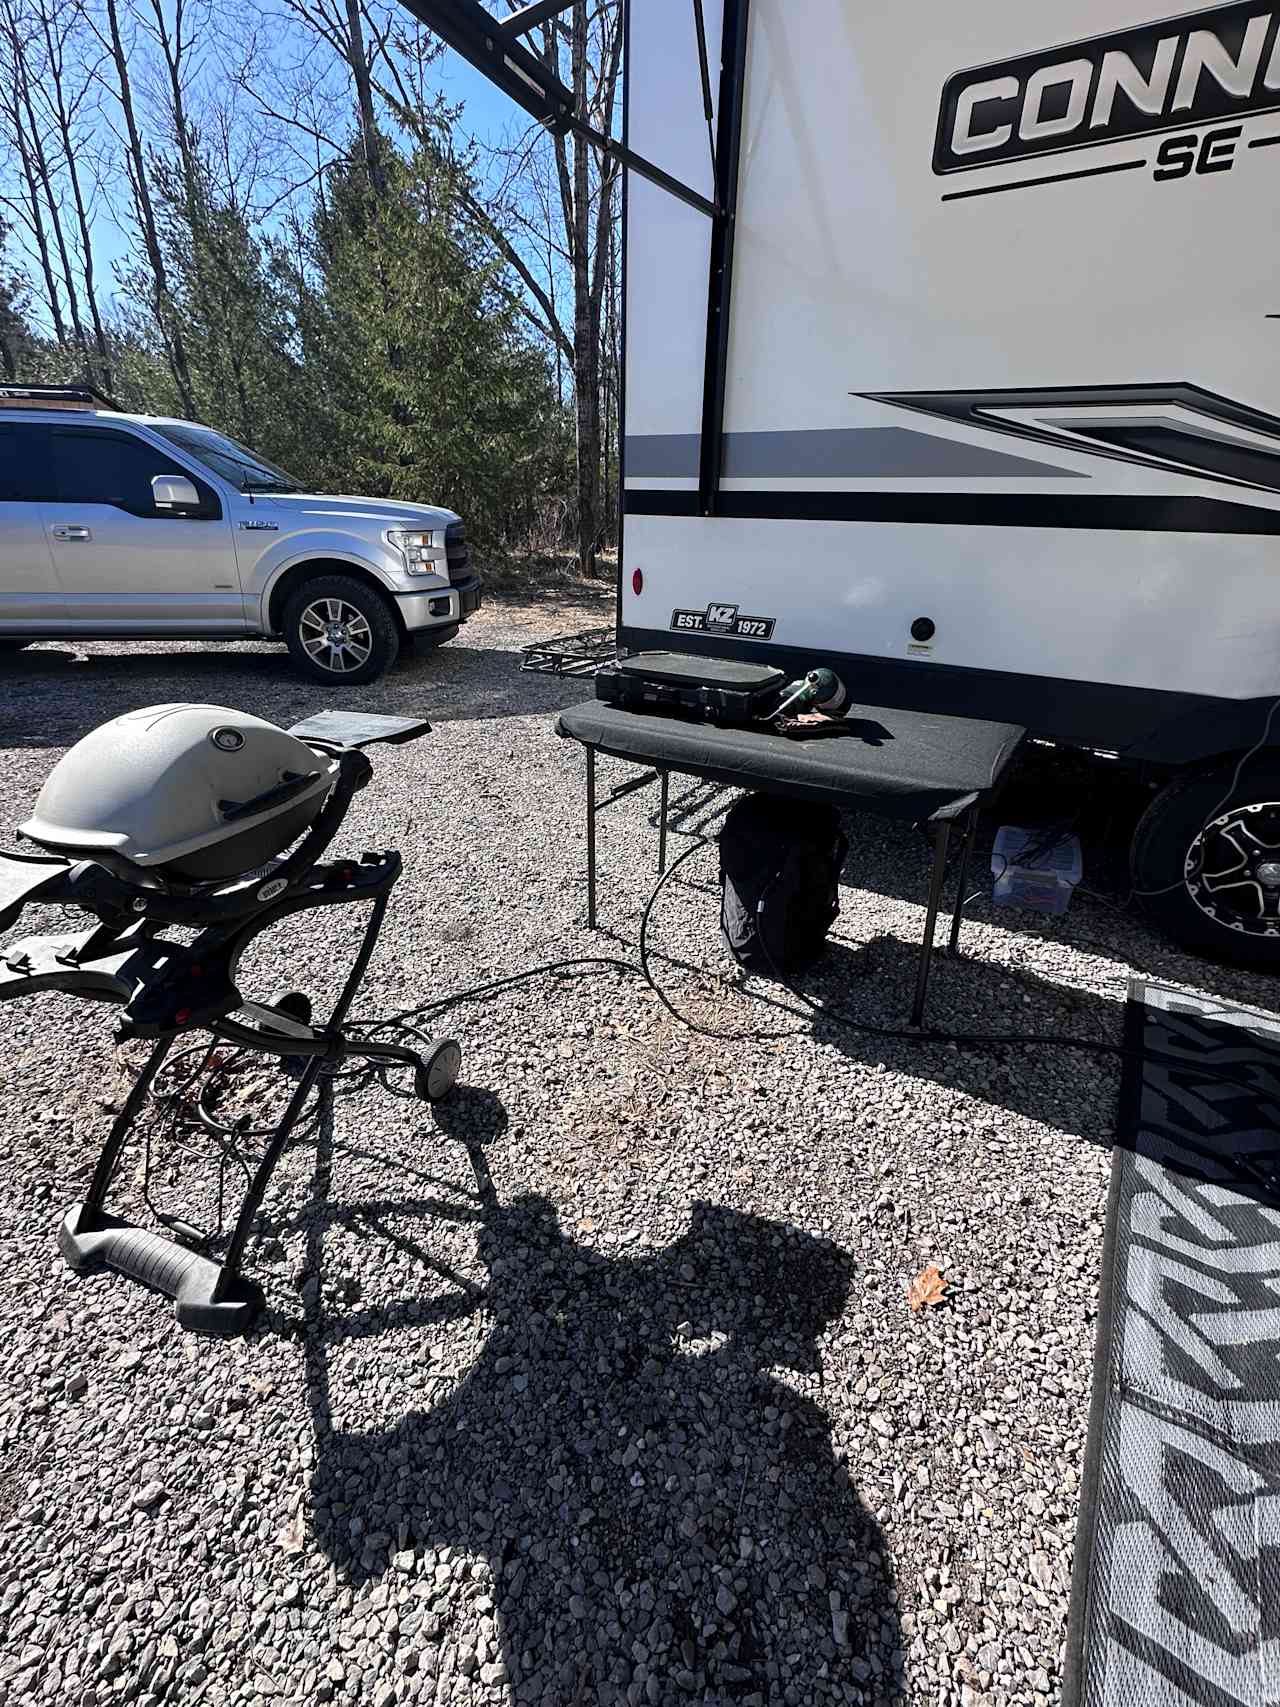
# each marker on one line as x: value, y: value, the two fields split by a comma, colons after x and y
x: 294, y: 783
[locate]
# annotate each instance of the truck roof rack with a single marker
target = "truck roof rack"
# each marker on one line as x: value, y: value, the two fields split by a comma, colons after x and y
x: 55, y: 397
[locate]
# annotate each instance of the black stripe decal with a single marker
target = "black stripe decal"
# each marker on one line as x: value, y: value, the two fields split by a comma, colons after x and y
x: 1052, y: 178
x: 1106, y: 512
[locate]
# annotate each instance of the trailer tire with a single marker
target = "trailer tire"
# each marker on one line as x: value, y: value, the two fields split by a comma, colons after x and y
x: 1200, y: 831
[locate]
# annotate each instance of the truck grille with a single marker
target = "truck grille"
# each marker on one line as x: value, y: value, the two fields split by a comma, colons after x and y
x: 457, y: 551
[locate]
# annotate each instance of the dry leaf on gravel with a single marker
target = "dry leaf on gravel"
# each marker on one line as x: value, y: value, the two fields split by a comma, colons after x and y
x: 927, y: 1289
x: 292, y: 1536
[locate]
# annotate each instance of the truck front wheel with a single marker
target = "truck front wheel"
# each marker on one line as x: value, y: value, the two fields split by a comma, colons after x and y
x: 1205, y: 862
x: 339, y: 629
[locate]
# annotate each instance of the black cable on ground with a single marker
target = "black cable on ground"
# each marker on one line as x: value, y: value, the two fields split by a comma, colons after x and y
x: 902, y: 1034
x: 477, y: 991
x: 644, y: 968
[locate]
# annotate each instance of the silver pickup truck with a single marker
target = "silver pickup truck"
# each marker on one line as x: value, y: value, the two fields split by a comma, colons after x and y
x: 140, y: 527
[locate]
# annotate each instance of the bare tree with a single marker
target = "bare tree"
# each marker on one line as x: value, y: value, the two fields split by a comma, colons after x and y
x: 342, y: 26
x: 144, y: 208
x: 581, y: 212
x: 44, y: 169
x: 28, y: 205
x: 65, y: 93
x: 586, y: 225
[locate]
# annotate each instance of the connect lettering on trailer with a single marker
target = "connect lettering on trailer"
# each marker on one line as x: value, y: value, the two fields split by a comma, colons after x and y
x: 1179, y: 74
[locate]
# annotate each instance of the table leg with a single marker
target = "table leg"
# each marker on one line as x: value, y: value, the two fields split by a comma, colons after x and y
x: 966, y: 856
x: 591, y: 838
x: 941, y: 841
x: 662, y: 826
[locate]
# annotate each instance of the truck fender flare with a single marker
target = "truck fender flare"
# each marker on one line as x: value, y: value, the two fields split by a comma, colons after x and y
x: 322, y: 558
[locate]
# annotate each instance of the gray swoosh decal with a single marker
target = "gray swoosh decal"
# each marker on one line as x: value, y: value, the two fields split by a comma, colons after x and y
x: 832, y: 453
x: 1186, y: 419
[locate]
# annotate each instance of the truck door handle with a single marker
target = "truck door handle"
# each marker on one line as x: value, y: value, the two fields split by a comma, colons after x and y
x: 71, y: 530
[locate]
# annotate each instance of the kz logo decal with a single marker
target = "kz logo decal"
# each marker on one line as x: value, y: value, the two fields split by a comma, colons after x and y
x: 723, y: 619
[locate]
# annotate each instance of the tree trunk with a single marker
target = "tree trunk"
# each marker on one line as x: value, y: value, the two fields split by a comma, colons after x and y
x: 40, y: 162
x: 14, y: 112
x: 364, y: 99
x: 58, y: 103
x: 162, y: 302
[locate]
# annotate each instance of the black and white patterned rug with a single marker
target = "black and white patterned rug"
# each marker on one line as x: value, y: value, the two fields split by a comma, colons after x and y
x: 1176, y: 1593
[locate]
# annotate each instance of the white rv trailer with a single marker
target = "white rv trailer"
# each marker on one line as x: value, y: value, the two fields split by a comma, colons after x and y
x: 953, y: 363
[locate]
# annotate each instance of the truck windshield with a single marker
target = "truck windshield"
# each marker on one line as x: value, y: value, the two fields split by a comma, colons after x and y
x: 232, y: 461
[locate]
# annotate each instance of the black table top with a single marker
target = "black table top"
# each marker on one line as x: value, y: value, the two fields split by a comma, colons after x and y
x: 900, y: 764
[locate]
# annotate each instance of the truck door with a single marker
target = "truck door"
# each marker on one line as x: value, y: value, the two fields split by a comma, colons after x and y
x: 124, y: 565
x: 29, y: 596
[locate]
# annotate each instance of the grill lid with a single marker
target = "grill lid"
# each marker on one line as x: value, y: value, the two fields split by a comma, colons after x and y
x: 160, y: 784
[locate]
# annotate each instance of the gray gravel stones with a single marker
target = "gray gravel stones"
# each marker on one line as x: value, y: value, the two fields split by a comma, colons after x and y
x: 149, y: 1495
x: 597, y: 1385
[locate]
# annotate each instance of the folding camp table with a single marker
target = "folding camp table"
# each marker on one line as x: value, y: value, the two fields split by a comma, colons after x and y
x: 910, y: 765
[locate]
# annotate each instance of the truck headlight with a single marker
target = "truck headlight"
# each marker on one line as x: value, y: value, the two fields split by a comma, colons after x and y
x: 420, y: 548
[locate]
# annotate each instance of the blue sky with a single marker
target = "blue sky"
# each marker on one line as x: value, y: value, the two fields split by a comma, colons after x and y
x: 487, y: 116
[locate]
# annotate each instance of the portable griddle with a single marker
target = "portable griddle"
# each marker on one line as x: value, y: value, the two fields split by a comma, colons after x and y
x: 173, y: 987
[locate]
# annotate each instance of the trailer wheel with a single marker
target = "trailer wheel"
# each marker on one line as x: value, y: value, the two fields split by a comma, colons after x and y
x: 1205, y: 863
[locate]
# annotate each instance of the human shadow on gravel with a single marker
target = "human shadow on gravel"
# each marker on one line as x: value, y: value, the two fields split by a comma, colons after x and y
x: 663, y: 1516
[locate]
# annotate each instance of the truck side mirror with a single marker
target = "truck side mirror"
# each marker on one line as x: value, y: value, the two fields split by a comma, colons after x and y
x: 174, y: 492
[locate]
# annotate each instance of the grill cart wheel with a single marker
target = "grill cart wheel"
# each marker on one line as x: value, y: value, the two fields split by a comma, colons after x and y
x: 1205, y: 863
x: 438, y: 1074
x: 339, y: 630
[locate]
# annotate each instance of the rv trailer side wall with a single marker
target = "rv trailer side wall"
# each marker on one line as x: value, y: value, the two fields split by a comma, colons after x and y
x: 1002, y: 416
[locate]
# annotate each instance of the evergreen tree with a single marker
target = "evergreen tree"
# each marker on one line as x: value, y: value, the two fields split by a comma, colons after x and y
x: 236, y: 327
x: 17, y: 339
x: 420, y: 377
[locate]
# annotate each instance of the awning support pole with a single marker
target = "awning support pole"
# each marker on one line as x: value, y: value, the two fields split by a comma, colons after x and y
x: 733, y: 70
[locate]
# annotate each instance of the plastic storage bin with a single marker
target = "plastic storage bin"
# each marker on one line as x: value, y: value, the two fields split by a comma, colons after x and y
x: 1033, y: 871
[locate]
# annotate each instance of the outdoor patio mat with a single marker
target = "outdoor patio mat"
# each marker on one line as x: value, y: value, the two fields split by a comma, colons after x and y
x: 1176, y: 1592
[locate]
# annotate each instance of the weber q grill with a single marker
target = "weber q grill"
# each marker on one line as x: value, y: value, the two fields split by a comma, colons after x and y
x: 182, y: 832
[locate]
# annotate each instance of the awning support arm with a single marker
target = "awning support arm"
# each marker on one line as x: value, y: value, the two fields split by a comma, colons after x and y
x: 489, y: 45
x: 529, y: 17
x: 733, y: 71
x: 704, y: 72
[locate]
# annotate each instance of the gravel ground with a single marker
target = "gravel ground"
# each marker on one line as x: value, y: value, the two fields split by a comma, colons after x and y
x: 597, y: 1384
